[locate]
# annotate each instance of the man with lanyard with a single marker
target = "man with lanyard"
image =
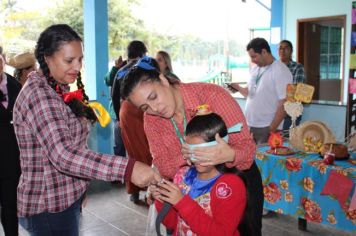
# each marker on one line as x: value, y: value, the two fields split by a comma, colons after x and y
x: 285, y: 51
x: 266, y: 91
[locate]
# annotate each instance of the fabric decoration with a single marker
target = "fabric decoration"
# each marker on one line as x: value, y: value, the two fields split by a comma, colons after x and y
x: 203, y: 110
x: 352, y: 85
x: 353, y: 39
x: 101, y: 113
x: 223, y: 191
x: 353, y: 17
x: 70, y: 96
x: 352, y: 61
x: 338, y: 186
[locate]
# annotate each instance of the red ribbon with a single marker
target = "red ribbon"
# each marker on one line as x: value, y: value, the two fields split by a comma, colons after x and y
x: 68, y: 97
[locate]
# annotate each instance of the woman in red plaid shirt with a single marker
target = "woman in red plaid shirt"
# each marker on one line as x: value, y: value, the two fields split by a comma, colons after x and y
x: 52, y: 127
x: 169, y: 105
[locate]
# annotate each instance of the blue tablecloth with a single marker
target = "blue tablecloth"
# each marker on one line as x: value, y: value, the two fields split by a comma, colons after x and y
x: 292, y: 186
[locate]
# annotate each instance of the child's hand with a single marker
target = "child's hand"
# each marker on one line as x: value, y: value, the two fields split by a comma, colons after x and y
x: 169, y: 192
x: 153, y: 194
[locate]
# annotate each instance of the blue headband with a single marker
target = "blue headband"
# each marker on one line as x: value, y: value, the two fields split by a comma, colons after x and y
x: 207, y: 144
x: 144, y: 63
x: 232, y: 129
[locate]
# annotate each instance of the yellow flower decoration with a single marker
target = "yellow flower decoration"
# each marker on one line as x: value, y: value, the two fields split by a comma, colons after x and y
x: 322, y: 168
x: 260, y: 156
x: 331, y: 219
x: 279, y: 210
x: 308, y: 184
x: 284, y: 184
x: 288, y: 197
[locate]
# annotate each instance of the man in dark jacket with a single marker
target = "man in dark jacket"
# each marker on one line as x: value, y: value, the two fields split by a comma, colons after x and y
x: 9, y: 158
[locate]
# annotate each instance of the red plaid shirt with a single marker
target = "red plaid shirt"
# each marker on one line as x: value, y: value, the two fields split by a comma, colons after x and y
x: 56, y: 163
x: 164, y: 143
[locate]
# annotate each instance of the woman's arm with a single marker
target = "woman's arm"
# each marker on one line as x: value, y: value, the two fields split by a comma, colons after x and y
x: 241, y: 148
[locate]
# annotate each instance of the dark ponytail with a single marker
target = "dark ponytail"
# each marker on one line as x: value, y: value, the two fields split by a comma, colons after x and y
x: 49, y: 42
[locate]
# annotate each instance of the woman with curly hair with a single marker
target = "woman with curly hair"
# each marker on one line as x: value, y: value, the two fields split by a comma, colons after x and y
x: 52, y: 127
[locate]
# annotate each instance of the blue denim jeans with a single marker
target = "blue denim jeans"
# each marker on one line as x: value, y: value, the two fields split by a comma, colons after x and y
x: 65, y: 223
x: 119, y: 148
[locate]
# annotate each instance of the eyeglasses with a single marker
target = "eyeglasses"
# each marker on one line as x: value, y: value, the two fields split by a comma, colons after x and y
x: 144, y: 63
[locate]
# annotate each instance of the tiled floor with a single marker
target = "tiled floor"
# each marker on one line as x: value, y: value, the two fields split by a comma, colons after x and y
x: 109, y: 212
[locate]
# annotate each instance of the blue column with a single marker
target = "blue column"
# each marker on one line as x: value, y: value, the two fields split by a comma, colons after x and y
x: 277, y: 10
x: 96, y: 65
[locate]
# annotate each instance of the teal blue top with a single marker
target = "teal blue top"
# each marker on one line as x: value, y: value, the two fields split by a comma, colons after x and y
x: 109, y: 81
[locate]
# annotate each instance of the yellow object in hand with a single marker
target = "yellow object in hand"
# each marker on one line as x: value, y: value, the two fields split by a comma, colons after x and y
x: 101, y: 113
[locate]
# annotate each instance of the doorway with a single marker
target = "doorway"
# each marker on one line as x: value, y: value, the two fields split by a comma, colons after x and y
x: 321, y: 50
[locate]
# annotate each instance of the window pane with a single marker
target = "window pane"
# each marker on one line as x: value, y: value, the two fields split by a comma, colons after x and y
x: 324, y: 34
x: 324, y: 48
x: 334, y: 67
x: 323, y: 66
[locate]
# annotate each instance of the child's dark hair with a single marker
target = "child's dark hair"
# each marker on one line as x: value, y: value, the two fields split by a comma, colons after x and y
x: 138, y: 74
x: 49, y: 42
x: 207, y: 126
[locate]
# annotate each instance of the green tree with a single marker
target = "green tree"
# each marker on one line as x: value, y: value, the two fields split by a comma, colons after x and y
x: 65, y: 12
x: 123, y: 26
x: 20, y: 28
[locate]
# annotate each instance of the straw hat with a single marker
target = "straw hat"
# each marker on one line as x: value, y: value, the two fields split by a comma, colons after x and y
x: 22, y: 61
x: 315, y: 130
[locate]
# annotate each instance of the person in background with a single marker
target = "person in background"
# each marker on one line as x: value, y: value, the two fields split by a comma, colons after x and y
x: 285, y: 51
x: 165, y: 64
x: 109, y: 78
x: 130, y: 124
x: 10, y: 162
x: 136, y: 49
x: 23, y: 63
x: 52, y: 127
x: 168, y: 107
x: 109, y: 81
x: 266, y: 91
x: 206, y: 200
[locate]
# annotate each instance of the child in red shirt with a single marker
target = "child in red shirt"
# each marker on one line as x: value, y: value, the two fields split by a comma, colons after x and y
x: 206, y: 200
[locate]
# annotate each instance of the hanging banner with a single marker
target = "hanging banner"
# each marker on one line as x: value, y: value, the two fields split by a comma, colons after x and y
x: 353, y: 39
x: 352, y: 85
x: 352, y: 61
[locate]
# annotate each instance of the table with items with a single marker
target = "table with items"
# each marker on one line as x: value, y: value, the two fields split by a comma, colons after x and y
x: 303, y: 186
